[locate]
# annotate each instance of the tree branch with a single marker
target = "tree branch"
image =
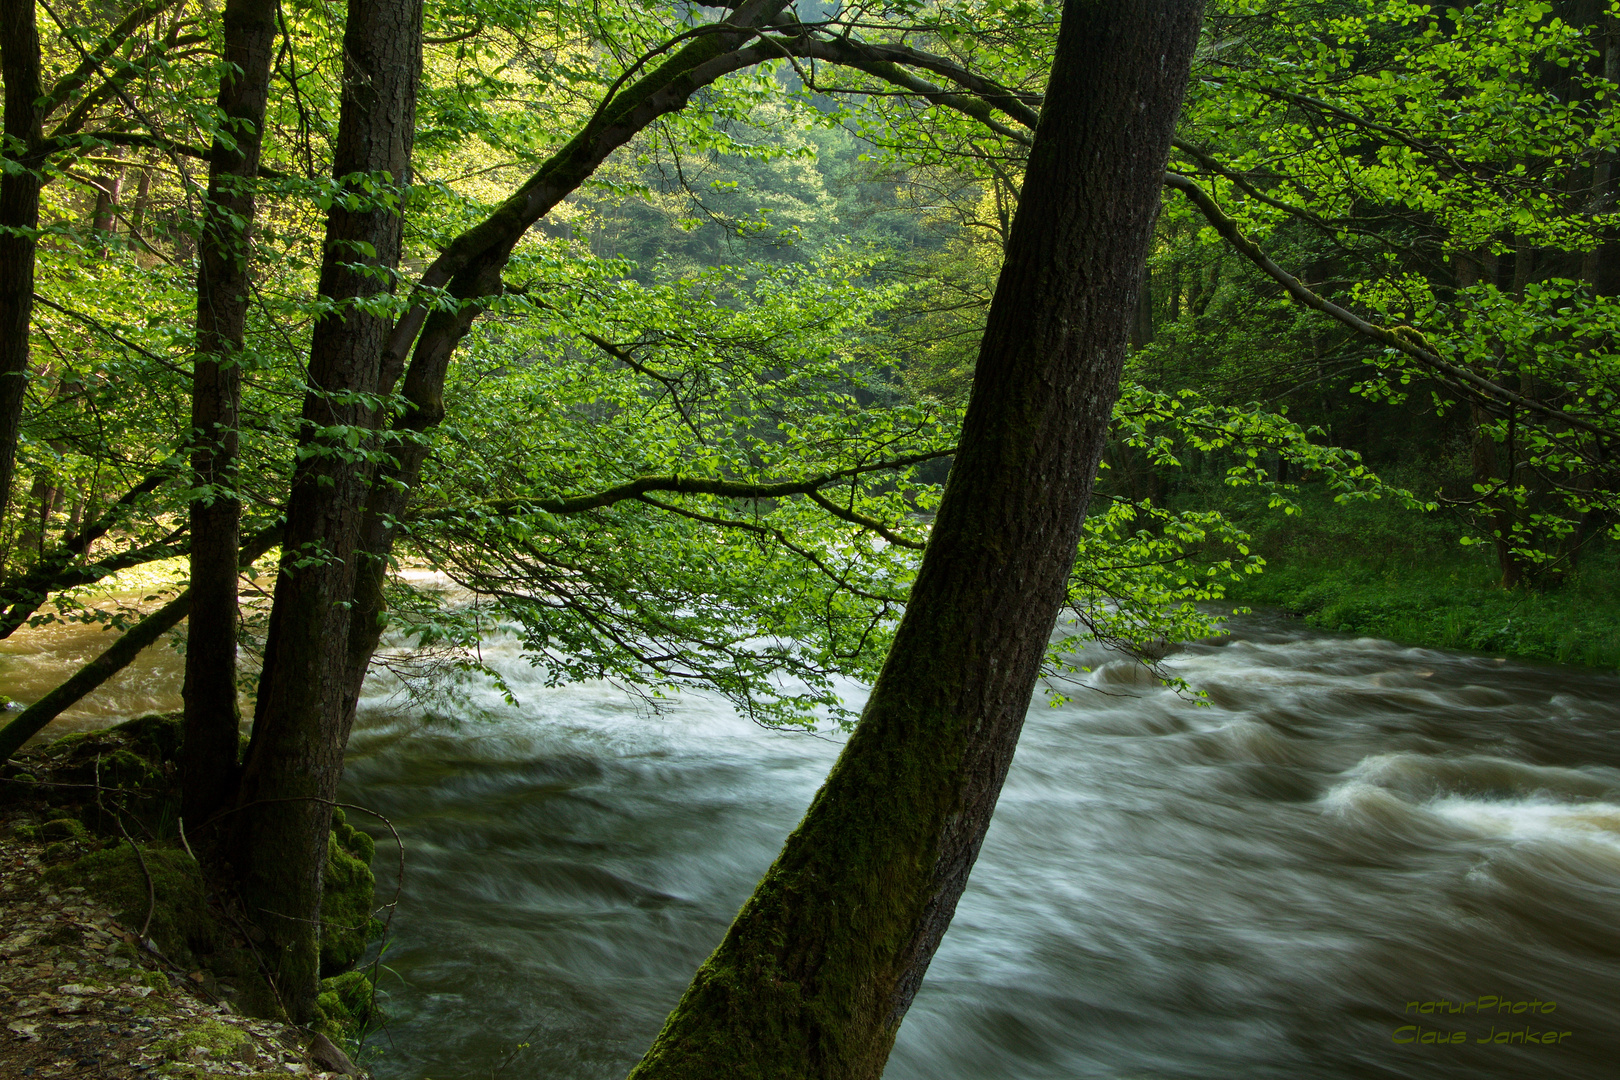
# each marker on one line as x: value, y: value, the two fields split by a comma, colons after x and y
x: 115, y: 39
x: 117, y: 657
x: 689, y: 485
x: 1408, y: 343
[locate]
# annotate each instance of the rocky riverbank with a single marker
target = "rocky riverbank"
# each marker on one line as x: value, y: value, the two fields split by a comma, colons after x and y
x: 81, y: 998
x: 117, y: 959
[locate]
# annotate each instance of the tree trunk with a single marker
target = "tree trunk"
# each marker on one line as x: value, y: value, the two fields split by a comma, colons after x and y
x: 821, y: 964
x: 19, y: 218
x: 1482, y: 458
x: 1142, y: 324
x: 143, y: 199
x: 390, y: 494
x: 109, y: 192
x: 208, y: 762
x: 295, y: 757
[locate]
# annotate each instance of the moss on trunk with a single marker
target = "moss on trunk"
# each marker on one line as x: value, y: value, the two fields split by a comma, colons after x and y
x: 820, y: 966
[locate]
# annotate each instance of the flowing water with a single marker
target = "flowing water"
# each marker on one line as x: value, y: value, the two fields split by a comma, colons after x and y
x: 1351, y: 847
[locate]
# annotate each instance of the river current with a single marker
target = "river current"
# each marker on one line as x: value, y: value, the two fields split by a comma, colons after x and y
x: 1354, y: 859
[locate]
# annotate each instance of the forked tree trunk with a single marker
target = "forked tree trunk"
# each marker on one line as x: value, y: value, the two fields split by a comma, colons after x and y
x: 19, y: 218
x: 822, y: 962
x: 296, y: 755
x: 208, y: 762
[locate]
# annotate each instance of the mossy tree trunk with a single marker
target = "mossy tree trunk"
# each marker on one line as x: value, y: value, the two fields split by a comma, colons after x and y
x: 19, y: 219
x: 209, y: 759
x: 822, y: 962
x: 295, y: 757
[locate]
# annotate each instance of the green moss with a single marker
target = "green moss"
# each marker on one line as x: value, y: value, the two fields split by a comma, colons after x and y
x: 62, y: 851
x: 210, y: 1038
x: 345, y: 1006
x: 136, y: 756
x: 348, y: 897
x: 157, y: 980
x: 156, y: 737
x: 65, y: 828
x: 182, y: 924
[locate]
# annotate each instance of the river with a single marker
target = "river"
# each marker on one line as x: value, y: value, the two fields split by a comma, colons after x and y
x: 1352, y: 844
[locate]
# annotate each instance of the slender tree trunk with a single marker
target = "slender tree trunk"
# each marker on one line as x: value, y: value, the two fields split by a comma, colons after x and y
x: 296, y: 753
x: 208, y: 760
x: 1482, y: 458
x: 109, y: 192
x: 821, y: 964
x: 1142, y: 324
x: 143, y: 199
x: 19, y: 218
x: 36, y: 509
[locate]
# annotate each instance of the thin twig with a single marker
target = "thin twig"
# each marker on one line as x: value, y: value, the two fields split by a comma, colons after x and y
x: 151, y: 886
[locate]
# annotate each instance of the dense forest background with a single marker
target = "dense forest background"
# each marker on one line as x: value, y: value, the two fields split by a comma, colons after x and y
x: 653, y: 326
x: 1446, y: 171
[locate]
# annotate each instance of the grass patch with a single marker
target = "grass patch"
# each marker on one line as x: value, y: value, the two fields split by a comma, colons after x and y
x: 1378, y: 571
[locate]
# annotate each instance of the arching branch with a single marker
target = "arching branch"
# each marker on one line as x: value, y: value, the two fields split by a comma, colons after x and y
x: 1408, y: 343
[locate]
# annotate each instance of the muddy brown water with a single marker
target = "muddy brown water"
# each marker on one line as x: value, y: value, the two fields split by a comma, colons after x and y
x: 1356, y: 860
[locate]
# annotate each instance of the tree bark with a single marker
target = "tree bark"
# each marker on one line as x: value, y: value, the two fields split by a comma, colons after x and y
x: 822, y: 962
x: 208, y: 759
x: 19, y: 219
x: 109, y: 195
x: 296, y: 752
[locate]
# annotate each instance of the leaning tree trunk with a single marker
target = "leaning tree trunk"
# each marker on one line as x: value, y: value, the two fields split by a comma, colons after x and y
x: 822, y: 962
x: 295, y: 757
x: 208, y: 764
x: 19, y: 218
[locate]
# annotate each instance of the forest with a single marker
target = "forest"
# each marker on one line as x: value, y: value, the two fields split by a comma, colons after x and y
x: 755, y: 350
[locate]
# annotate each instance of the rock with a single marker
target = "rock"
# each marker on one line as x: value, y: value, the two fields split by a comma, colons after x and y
x: 326, y: 1054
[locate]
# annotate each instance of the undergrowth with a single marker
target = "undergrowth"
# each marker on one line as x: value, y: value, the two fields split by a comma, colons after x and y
x: 1376, y: 570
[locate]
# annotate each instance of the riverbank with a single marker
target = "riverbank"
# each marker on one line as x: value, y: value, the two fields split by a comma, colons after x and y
x: 117, y: 958
x: 1449, y: 607
x: 82, y: 999
x: 1375, y: 570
